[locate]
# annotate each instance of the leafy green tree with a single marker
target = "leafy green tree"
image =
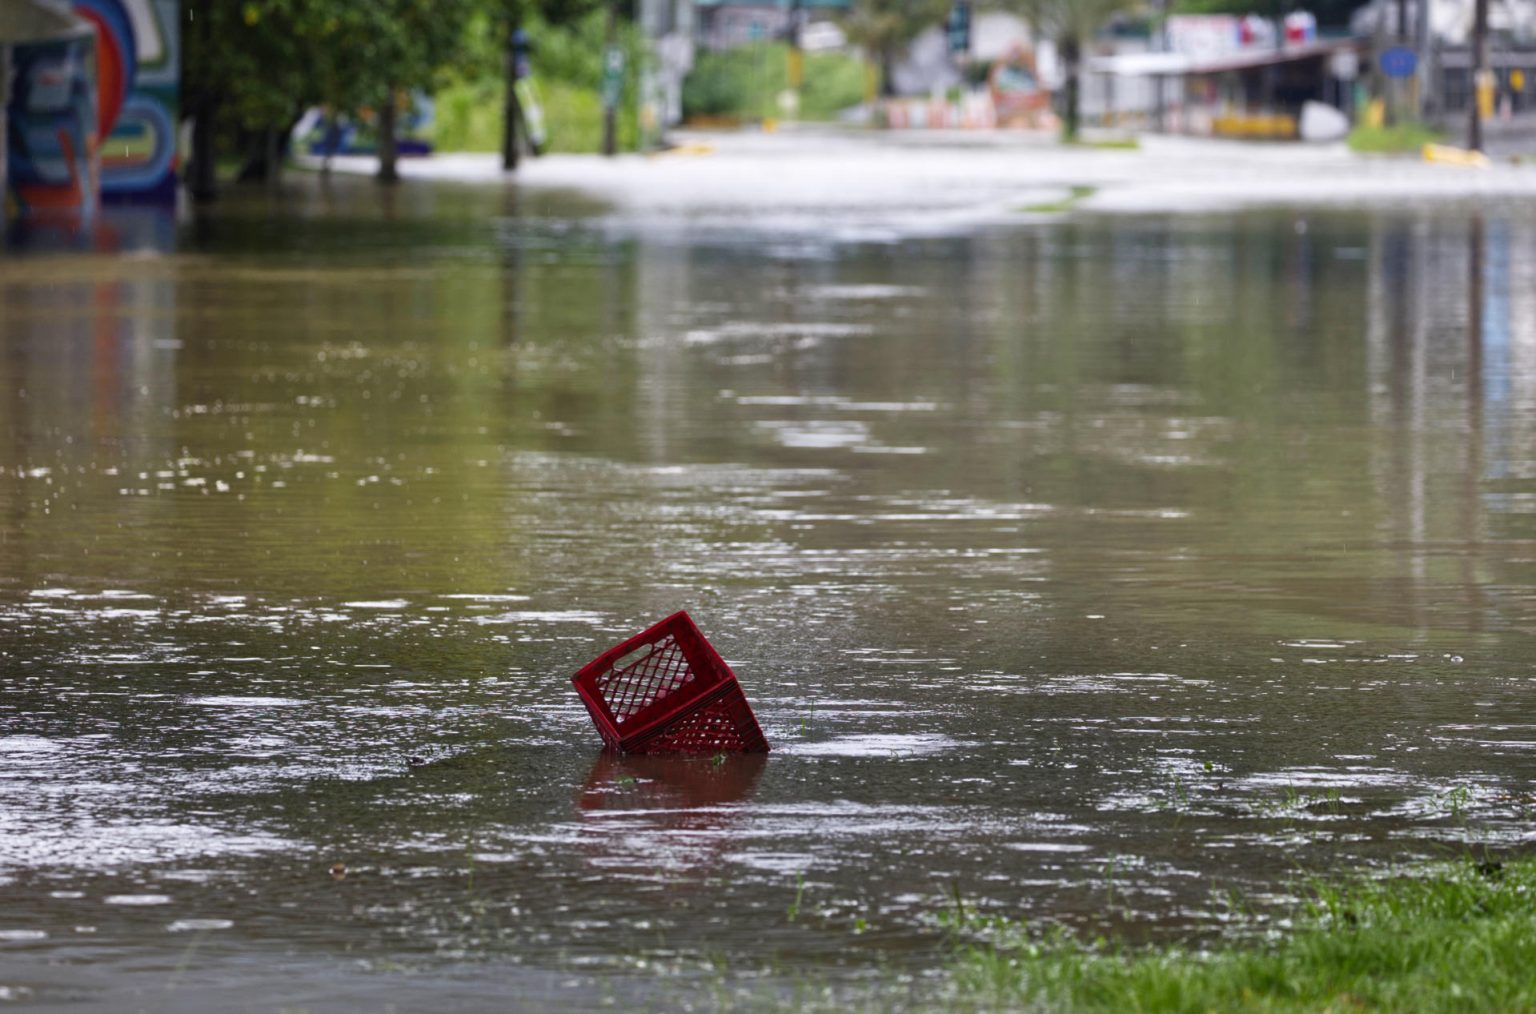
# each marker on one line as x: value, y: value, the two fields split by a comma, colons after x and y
x: 374, y: 53
x: 244, y: 75
x: 1070, y: 24
x: 253, y: 67
x: 884, y: 27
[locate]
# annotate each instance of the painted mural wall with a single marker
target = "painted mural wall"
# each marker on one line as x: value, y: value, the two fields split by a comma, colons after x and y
x: 138, y: 56
x: 53, y: 160
x: 92, y: 112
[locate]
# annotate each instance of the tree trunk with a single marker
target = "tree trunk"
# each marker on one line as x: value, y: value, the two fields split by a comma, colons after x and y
x: 253, y: 152
x: 1071, y: 106
x: 1479, y: 69
x: 273, y: 155
x: 888, y: 72
x: 265, y: 151
x: 389, y: 152
x: 202, y: 174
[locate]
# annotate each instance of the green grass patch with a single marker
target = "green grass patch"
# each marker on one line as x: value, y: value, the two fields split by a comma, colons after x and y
x: 1451, y: 938
x: 1074, y: 197
x: 567, y: 67
x: 1399, y: 139
x: 1108, y: 143
x: 469, y: 118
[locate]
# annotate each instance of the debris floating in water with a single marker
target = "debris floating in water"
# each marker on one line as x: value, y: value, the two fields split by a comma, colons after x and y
x: 667, y: 690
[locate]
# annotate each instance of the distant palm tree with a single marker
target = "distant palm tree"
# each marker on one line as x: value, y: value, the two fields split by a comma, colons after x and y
x: 1069, y: 24
x: 883, y: 27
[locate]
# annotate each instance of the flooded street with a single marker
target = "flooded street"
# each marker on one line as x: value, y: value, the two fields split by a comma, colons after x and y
x: 1084, y: 569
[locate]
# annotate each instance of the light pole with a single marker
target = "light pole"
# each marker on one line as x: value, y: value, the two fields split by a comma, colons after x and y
x: 1479, y: 74
x: 613, y: 79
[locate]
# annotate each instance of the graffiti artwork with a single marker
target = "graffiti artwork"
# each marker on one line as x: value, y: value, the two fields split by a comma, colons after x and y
x: 138, y: 83
x: 92, y: 107
x: 1018, y: 94
x: 52, y: 125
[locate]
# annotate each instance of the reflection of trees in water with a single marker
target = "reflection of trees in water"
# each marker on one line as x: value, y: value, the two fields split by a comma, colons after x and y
x: 1450, y: 340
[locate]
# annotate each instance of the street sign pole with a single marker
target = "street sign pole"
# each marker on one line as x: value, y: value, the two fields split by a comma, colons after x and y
x: 613, y: 79
x: 1479, y: 74
x: 795, y: 68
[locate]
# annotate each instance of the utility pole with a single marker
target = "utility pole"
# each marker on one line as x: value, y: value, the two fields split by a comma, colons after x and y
x: 1425, y: 80
x: 613, y: 78
x: 1159, y: 80
x: 1479, y: 73
x: 795, y: 68
x: 1271, y: 72
x: 1398, y: 84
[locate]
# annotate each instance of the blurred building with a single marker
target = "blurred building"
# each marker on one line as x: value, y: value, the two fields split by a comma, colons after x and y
x: 669, y: 24
x: 1222, y: 75
x: 726, y: 24
x: 1440, y: 32
x: 1445, y: 22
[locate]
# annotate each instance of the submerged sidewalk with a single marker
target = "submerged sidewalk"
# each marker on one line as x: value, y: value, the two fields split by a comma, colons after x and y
x: 816, y: 177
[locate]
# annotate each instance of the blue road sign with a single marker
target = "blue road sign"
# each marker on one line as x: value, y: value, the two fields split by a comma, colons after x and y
x: 1399, y: 61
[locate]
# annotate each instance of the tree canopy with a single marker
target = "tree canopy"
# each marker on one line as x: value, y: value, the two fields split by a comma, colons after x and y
x: 883, y: 27
x: 254, y: 66
x: 1069, y: 24
x: 266, y: 60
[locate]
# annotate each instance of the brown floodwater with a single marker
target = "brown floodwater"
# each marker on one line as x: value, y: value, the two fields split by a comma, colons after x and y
x: 1109, y: 572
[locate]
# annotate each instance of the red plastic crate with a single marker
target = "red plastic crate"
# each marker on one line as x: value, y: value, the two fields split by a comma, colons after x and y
x: 667, y: 690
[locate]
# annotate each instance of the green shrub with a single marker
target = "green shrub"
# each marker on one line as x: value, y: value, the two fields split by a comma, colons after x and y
x: 468, y: 117
x: 573, y: 116
x: 568, y: 71
x: 833, y: 82
x: 730, y: 84
x: 746, y: 82
x: 1402, y: 138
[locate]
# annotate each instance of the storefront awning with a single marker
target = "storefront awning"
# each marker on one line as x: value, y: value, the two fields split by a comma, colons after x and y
x: 1170, y: 64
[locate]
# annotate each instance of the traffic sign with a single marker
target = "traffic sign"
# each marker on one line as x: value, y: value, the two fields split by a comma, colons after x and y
x: 1399, y: 61
x: 613, y: 76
